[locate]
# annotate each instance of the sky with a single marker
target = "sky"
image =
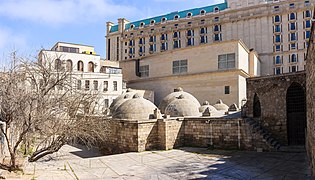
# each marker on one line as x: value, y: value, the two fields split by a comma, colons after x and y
x: 27, y: 26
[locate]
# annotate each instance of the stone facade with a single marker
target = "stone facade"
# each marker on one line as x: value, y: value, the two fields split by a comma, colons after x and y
x: 165, y: 134
x: 271, y: 92
x: 310, y: 87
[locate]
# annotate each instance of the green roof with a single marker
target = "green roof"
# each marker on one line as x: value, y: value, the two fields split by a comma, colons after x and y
x: 170, y: 16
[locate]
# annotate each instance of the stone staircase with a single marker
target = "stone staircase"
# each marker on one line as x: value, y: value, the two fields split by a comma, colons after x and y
x: 265, y: 135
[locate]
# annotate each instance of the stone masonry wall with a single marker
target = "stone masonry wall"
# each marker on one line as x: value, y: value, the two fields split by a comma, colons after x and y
x: 310, y: 100
x: 272, y: 91
x: 171, y: 133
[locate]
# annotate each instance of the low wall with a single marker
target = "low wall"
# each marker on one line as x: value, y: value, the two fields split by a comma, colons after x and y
x: 165, y: 134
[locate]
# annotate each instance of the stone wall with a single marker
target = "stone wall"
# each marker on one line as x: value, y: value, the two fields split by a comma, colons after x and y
x: 272, y: 91
x: 310, y: 97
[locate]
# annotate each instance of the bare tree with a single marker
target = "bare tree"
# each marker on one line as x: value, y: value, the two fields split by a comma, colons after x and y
x: 41, y: 109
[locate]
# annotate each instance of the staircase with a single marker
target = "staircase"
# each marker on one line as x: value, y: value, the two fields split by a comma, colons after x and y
x: 257, y: 128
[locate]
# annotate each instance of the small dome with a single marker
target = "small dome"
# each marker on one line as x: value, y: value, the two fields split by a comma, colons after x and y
x: 173, y: 96
x: 121, y: 99
x: 220, y: 106
x: 136, y: 108
x: 206, y: 105
x: 181, y: 107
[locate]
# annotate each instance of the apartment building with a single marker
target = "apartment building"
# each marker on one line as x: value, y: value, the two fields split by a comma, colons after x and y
x: 278, y: 30
x: 89, y: 71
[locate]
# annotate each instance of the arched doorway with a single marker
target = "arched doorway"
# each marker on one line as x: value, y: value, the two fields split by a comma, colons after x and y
x: 256, y: 108
x: 296, y: 114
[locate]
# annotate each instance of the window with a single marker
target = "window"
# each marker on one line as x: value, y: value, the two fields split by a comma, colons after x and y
x: 276, y: 8
x: 115, y: 85
x: 105, y: 86
x: 203, y: 30
x: 278, y: 60
x: 277, y: 70
x: 217, y: 28
x: 292, y: 5
x: 202, y: 12
x: 189, y: 15
x: 294, y: 68
x: 131, y: 42
x: 203, y: 39
x: 293, y: 58
x: 293, y: 37
x: 278, y: 48
x: 141, y: 41
x: 164, y: 37
x: 216, y: 9
x: 152, y: 22
x: 152, y: 48
x: 292, y: 16
x: 176, y: 34
x: 87, y: 85
x: 132, y: 26
x: 163, y: 20
x: 69, y: 65
x: 91, y: 67
x: 216, y: 19
x: 106, y: 103
x: 307, y: 14
x: 226, y: 61
x: 176, y: 44
x: 278, y: 38
x: 190, y: 41
x: 226, y: 89
x: 144, y: 71
x: 80, y: 66
x: 293, y: 26
x: 164, y: 46
x: 142, y: 24
x: 307, y: 34
x: 79, y: 84
x: 217, y: 37
x: 307, y: 3
x: 293, y: 46
x: 277, y: 28
x: 308, y: 24
x: 190, y: 33
x: 176, y: 17
x: 95, y: 83
x: 277, y: 19
x: 58, y: 64
x: 180, y: 67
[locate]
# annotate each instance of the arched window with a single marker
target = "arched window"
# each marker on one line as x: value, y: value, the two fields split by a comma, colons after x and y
x: 91, y: 67
x: 278, y: 60
x: 307, y: 13
x: 216, y: 9
x: 132, y: 26
x: 164, y: 19
x: 189, y: 15
x: 293, y: 58
x: 80, y: 66
x: 277, y: 18
x: 202, y: 12
x: 292, y: 16
x: 176, y: 17
x: 142, y: 24
x: 152, y: 22
x: 216, y: 28
x: 69, y: 65
x: 58, y: 64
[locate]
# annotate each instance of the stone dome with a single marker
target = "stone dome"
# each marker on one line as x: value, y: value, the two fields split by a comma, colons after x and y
x: 220, y: 106
x: 121, y: 99
x: 136, y: 108
x: 206, y: 105
x: 173, y: 96
x: 181, y: 107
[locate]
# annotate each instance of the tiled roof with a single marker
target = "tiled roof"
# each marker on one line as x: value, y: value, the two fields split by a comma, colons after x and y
x: 170, y: 16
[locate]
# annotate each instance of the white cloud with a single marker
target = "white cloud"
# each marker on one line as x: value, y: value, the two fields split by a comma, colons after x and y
x: 10, y: 40
x: 56, y: 12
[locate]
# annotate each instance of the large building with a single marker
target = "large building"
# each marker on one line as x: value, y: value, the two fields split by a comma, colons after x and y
x: 278, y: 30
x: 90, y: 72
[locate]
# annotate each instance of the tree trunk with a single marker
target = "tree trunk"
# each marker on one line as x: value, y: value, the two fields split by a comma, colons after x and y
x: 55, y: 147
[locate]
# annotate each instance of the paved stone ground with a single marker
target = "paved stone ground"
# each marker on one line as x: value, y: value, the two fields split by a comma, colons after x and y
x: 186, y: 163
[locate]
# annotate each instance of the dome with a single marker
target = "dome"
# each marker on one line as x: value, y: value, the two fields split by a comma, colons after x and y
x: 181, y: 107
x: 173, y: 96
x: 136, y: 108
x: 206, y: 105
x: 220, y: 106
x: 121, y: 99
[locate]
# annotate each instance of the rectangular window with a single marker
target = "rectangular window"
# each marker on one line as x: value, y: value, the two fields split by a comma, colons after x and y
x: 203, y: 39
x: 180, y: 67
x: 278, y: 38
x: 307, y: 34
x: 226, y: 61
x: 115, y: 85
x: 87, y: 85
x: 95, y: 84
x: 227, y: 90
x: 277, y: 70
x: 105, y: 86
x: 277, y: 28
x: 106, y: 103
x: 217, y: 37
x: 79, y: 84
x: 144, y: 71
x: 176, y: 44
x: 277, y: 48
x: 294, y: 68
x: 308, y: 24
x: 293, y: 37
x: 293, y: 26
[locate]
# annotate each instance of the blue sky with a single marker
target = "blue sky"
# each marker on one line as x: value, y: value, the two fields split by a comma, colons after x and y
x: 30, y: 25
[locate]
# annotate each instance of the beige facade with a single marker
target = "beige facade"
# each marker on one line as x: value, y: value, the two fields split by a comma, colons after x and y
x: 89, y: 72
x: 281, y: 44
x: 210, y: 72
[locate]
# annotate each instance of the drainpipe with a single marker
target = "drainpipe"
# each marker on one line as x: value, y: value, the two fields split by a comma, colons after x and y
x: 239, y: 134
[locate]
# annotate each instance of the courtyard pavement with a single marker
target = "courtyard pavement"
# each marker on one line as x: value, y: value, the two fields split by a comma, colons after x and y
x: 185, y: 163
